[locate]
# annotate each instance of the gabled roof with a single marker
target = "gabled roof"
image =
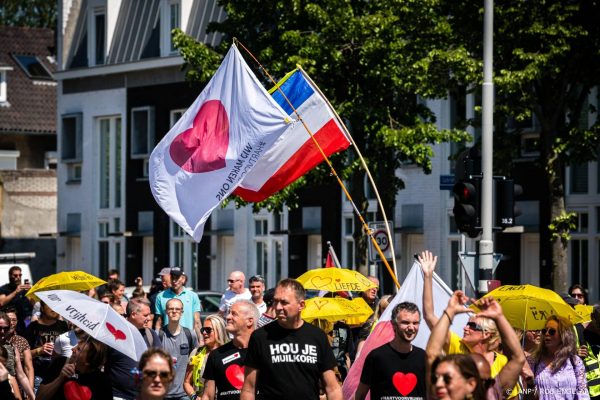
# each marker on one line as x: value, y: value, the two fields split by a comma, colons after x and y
x: 31, y: 102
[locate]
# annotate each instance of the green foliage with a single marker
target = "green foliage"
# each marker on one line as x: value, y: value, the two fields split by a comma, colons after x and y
x: 562, y: 225
x: 372, y: 59
x: 33, y: 13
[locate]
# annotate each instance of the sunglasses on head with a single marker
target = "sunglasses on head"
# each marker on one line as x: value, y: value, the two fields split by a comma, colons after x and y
x: 550, y: 331
x: 163, y: 375
x: 474, y: 326
x: 206, y: 331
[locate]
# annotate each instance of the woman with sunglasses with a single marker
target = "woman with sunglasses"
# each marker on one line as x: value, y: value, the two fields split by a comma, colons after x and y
x: 455, y: 377
x: 558, y: 372
x: 214, y: 335
x: 156, y: 374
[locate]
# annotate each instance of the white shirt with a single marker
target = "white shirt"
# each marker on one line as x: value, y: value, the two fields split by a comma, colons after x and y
x: 230, y: 297
x: 64, y: 343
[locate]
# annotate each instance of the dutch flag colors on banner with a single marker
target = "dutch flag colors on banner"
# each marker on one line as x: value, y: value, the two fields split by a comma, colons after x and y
x: 219, y: 139
x: 295, y: 153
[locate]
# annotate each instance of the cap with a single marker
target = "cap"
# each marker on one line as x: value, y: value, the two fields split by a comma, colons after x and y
x: 176, y: 272
x: 568, y: 299
x: 164, y: 271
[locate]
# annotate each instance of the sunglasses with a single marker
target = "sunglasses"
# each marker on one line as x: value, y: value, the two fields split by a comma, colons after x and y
x: 232, y: 280
x: 577, y: 295
x: 446, y: 377
x: 550, y: 331
x: 163, y: 375
x: 474, y: 326
x: 206, y: 331
x: 4, y: 328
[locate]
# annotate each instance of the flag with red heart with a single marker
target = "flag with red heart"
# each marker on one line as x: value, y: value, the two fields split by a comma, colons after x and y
x: 217, y: 141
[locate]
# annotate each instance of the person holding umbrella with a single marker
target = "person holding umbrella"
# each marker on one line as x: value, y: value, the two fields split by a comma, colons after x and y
x: 79, y: 376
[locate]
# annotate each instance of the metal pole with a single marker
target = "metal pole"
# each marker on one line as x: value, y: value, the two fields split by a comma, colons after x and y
x: 486, y: 244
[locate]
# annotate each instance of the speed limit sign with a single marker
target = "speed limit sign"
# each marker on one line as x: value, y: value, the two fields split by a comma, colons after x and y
x: 382, y: 239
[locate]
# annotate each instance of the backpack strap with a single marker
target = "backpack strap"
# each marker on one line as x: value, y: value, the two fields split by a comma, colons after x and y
x: 188, y: 335
x: 149, y: 337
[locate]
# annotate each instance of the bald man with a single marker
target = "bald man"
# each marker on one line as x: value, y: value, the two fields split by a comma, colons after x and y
x: 236, y: 291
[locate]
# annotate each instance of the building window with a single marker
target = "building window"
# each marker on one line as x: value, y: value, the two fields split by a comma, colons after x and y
x: 111, y: 164
x: 348, y: 239
x: 73, y: 173
x: 99, y: 38
x: 530, y: 144
x: 33, y: 67
x: 3, y: 86
x: 71, y: 138
x: 582, y: 223
x: 184, y: 253
x: 579, y: 178
x: 579, y: 260
x: 174, y: 21
x: 103, y: 249
x: 142, y: 131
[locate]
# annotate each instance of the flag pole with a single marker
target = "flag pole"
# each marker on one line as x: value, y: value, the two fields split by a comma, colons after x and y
x: 367, y: 170
x: 366, y: 228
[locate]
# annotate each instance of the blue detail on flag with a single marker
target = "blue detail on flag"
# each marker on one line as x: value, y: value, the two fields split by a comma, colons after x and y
x: 297, y: 90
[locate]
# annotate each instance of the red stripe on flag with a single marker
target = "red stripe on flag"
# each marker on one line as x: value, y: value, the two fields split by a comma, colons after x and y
x: 331, y: 140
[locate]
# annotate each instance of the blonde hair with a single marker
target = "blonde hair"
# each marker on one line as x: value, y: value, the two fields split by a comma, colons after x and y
x: 218, y: 324
x: 490, y: 327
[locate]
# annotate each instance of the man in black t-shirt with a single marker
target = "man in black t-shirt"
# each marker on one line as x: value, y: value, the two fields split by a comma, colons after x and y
x: 396, y: 370
x: 13, y: 294
x: 224, y: 371
x: 288, y: 358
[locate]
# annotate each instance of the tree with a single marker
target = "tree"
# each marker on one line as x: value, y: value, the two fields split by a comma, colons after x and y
x: 546, y: 62
x: 375, y: 60
x: 33, y: 13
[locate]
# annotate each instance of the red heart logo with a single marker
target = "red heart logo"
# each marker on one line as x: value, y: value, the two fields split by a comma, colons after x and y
x: 235, y: 376
x: 404, y: 383
x: 203, y: 147
x: 75, y: 391
x: 117, y: 333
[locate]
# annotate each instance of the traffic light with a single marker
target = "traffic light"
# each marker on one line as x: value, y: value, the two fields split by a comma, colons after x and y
x: 467, y: 212
x: 506, y: 212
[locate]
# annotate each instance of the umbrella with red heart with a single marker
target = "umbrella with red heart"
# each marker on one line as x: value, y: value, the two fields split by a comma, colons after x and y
x: 97, y: 319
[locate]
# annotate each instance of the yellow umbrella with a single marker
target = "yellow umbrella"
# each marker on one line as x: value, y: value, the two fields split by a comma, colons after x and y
x: 66, y: 280
x: 584, y: 311
x: 334, y: 309
x: 528, y: 307
x: 335, y: 280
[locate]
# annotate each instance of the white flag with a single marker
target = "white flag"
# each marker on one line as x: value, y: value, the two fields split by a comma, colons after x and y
x: 204, y: 157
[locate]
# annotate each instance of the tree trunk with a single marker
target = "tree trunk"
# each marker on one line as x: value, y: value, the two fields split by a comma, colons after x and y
x: 555, y: 173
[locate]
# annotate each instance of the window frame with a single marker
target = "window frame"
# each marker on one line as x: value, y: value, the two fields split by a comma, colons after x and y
x: 150, y: 133
x: 77, y: 157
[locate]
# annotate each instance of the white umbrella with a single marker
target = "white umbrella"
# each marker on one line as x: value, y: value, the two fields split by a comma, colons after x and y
x: 97, y: 319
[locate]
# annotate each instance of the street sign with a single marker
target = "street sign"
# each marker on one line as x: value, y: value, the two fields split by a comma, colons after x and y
x: 470, y: 264
x: 446, y: 182
x: 383, y: 241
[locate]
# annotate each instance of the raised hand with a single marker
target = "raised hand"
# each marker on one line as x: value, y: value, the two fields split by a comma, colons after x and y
x: 489, y: 307
x: 428, y: 262
x: 457, y: 303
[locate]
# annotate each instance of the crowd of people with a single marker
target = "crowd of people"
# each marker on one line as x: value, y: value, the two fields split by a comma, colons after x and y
x: 258, y: 346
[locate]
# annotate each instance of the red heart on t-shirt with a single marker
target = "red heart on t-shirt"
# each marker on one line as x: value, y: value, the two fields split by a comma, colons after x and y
x: 235, y: 376
x: 203, y: 147
x: 404, y: 383
x: 75, y: 391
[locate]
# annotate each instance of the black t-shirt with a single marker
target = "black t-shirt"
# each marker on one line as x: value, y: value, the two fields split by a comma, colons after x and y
x: 392, y: 375
x: 21, y: 304
x: 290, y: 361
x: 37, y: 334
x: 96, y: 383
x: 225, y: 366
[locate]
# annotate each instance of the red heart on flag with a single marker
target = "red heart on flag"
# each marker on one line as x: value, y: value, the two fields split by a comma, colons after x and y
x: 203, y: 147
x: 117, y: 333
x: 235, y: 376
x: 404, y: 383
x: 74, y: 391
